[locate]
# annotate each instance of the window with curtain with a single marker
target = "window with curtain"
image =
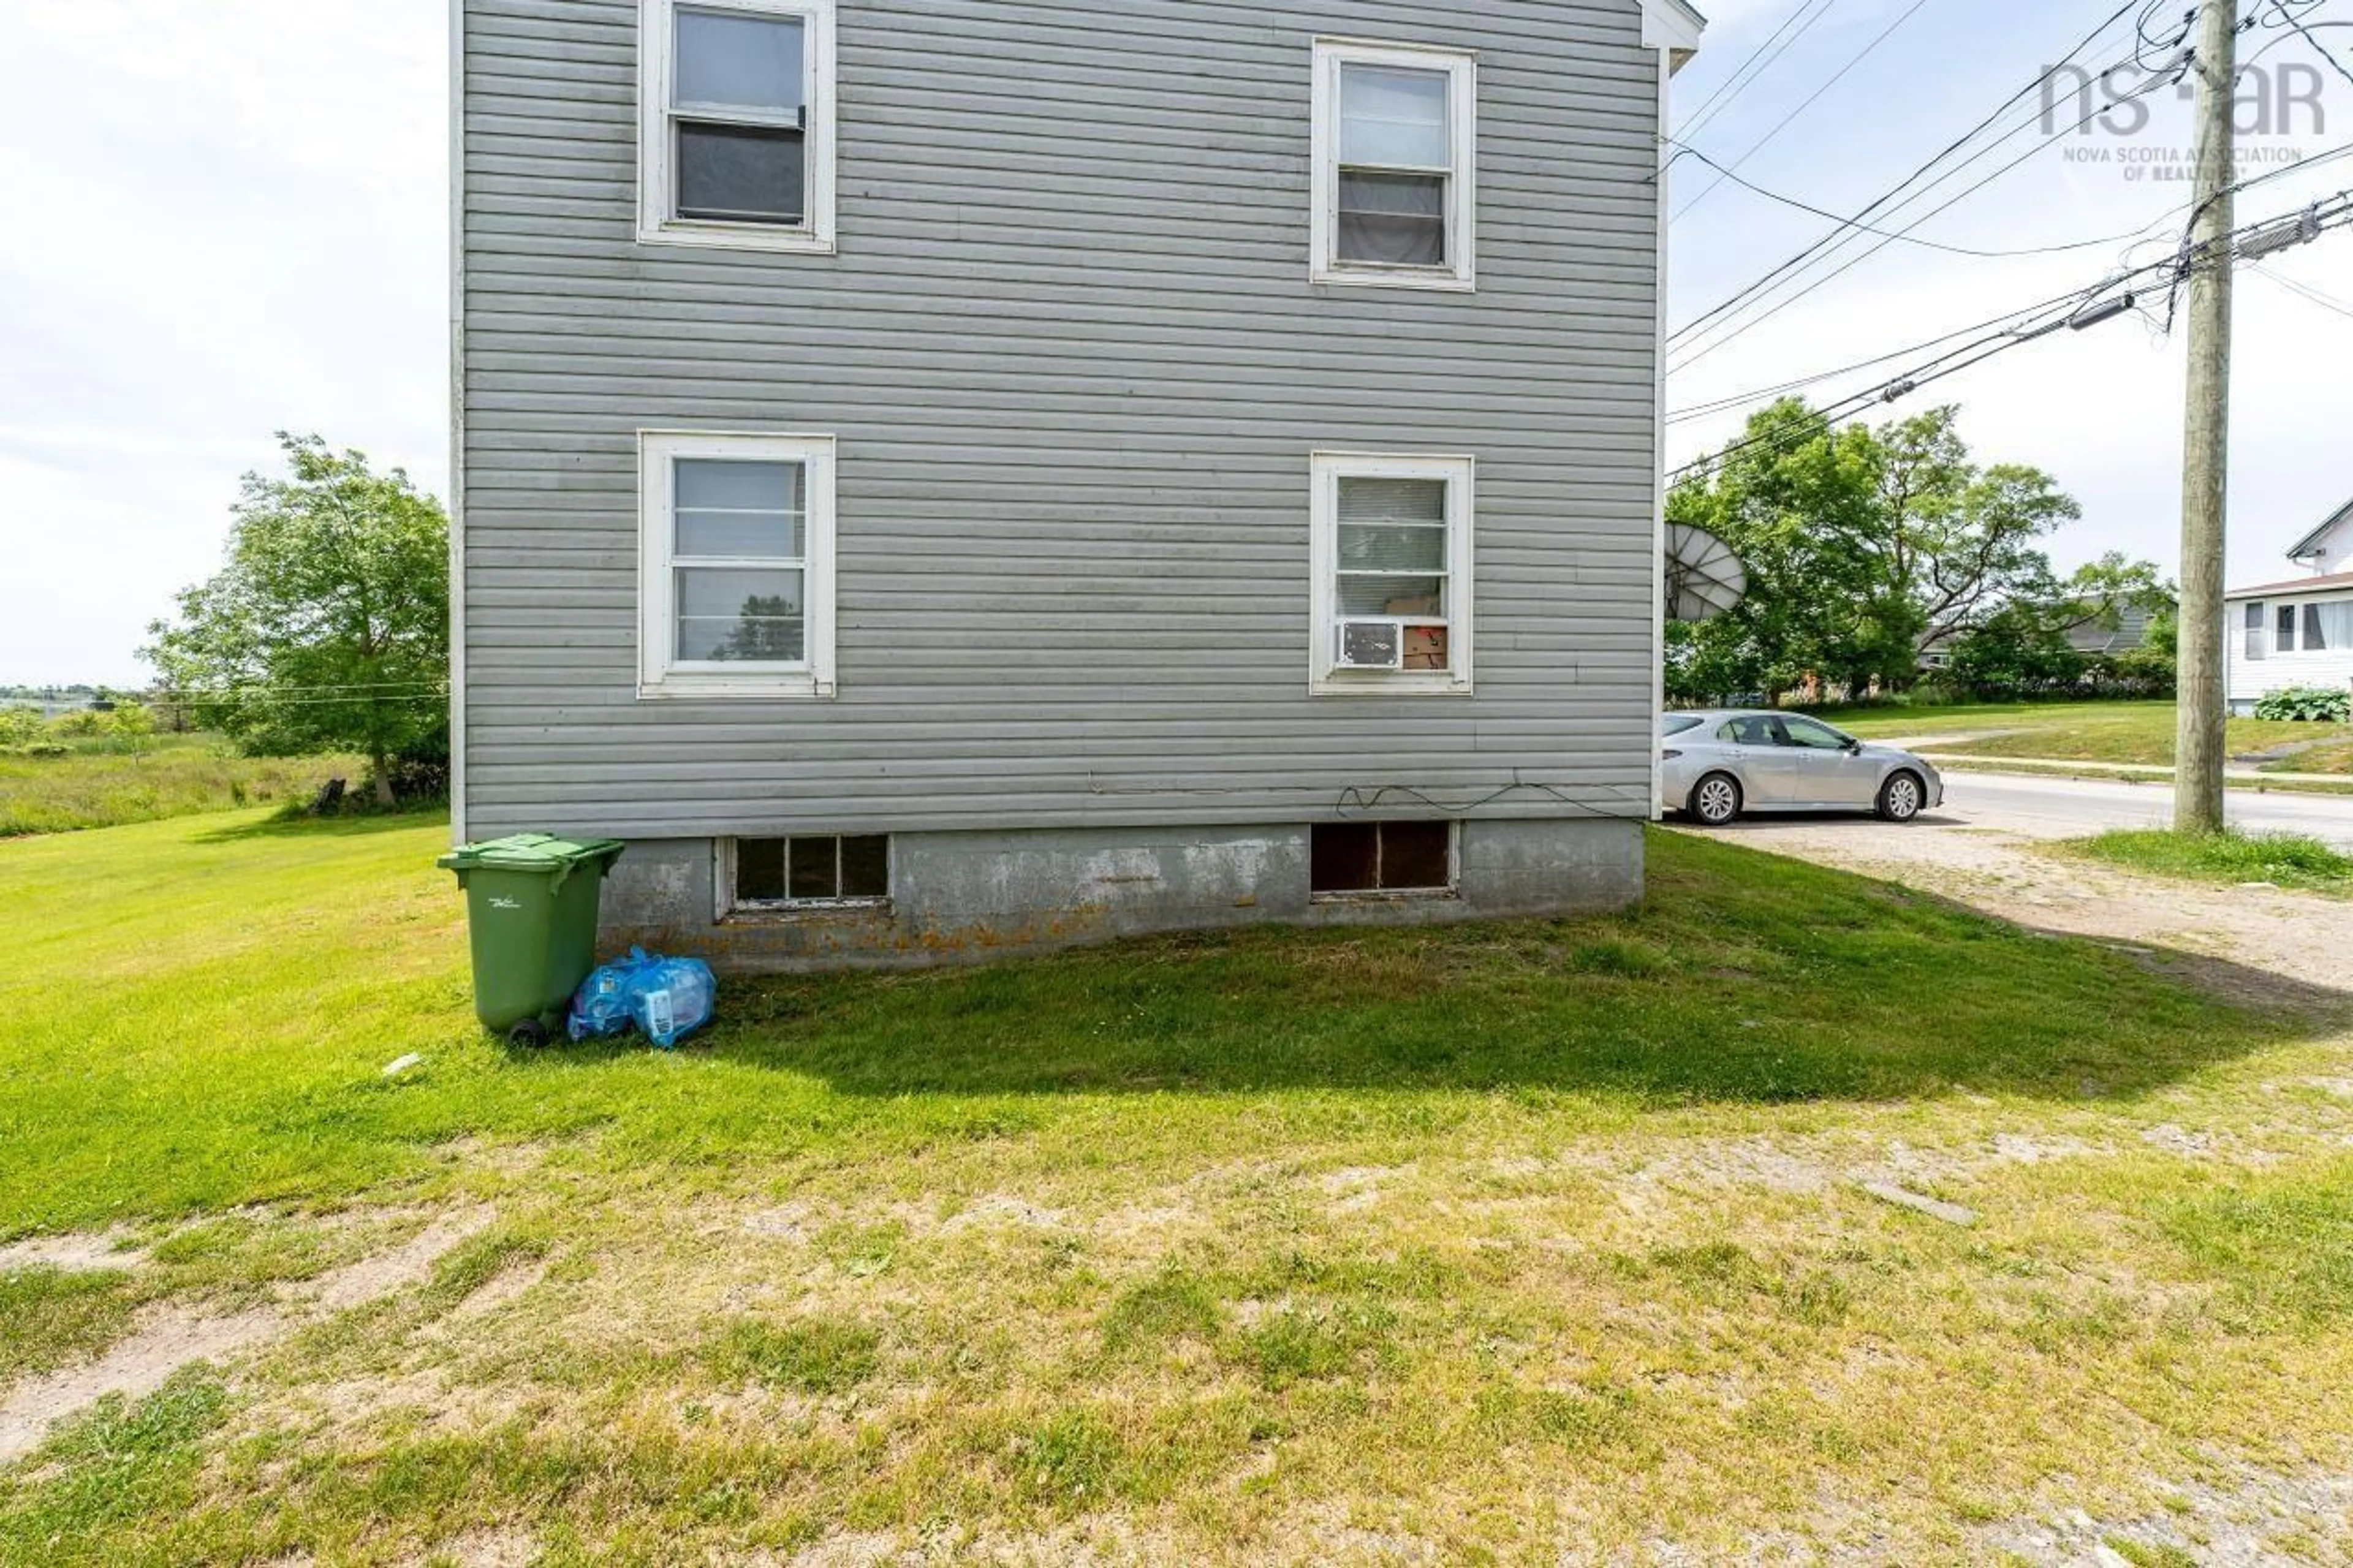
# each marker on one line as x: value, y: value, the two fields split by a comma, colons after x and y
x: 2328, y: 628
x: 1392, y: 560
x: 737, y: 139
x: 1394, y: 162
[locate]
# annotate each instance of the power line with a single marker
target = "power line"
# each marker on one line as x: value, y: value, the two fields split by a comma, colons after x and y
x: 1762, y: 393
x: 1806, y: 255
x: 2038, y: 322
x: 1852, y: 263
x: 306, y: 687
x: 1783, y: 123
x: 1909, y: 239
x: 2295, y: 286
x: 1739, y: 80
x: 2288, y: 18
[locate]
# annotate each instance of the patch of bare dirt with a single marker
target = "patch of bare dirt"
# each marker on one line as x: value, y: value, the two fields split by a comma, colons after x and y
x: 1001, y: 1211
x: 165, y: 1341
x: 2263, y: 945
x: 411, y: 1263
x: 481, y: 1549
x: 503, y: 1289
x: 170, y: 1338
x: 85, y: 1254
x: 2258, y: 1516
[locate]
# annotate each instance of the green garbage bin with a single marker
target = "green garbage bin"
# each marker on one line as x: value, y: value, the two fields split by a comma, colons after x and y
x: 530, y: 911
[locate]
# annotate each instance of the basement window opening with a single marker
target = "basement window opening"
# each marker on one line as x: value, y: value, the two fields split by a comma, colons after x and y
x: 1383, y: 860
x: 810, y: 873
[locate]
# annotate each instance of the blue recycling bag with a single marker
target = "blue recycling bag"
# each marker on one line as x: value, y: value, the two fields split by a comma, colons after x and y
x: 665, y: 999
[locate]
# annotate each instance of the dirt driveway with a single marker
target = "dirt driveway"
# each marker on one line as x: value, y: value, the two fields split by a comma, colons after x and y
x: 2270, y: 944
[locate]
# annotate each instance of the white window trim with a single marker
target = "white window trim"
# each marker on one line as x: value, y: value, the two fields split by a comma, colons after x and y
x: 775, y: 910
x: 659, y: 673
x: 1325, y: 677
x: 657, y: 42
x: 1461, y: 274
x: 1453, y: 888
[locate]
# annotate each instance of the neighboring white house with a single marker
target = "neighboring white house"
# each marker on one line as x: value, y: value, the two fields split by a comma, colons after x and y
x: 2300, y: 632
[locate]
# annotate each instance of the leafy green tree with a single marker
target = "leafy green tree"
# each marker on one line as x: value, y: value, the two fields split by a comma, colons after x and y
x: 765, y: 632
x: 328, y: 627
x: 2017, y: 653
x: 1863, y: 547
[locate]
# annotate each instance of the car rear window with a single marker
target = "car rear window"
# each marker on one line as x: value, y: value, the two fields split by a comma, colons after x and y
x: 1682, y: 723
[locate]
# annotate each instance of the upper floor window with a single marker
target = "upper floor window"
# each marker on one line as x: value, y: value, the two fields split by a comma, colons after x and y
x: 735, y: 116
x: 736, y: 577
x: 1396, y: 155
x: 1391, y: 559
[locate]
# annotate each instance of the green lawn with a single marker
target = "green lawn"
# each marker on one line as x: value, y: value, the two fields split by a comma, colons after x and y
x: 2334, y: 757
x: 2115, y: 732
x: 1880, y: 720
x: 1500, y: 1242
x: 106, y: 783
x: 2282, y: 859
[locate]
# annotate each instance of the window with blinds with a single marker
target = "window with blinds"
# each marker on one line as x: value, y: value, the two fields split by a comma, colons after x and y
x: 1392, y: 563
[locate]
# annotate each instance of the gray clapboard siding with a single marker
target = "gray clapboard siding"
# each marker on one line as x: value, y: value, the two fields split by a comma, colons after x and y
x: 1076, y: 368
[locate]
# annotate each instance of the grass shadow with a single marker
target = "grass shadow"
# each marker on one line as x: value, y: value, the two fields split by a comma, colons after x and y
x: 298, y: 822
x: 1747, y: 977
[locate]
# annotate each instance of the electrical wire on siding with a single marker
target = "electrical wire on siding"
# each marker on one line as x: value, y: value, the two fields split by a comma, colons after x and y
x: 1360, y: 800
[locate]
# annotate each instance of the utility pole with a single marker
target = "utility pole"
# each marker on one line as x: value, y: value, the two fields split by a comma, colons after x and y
x: 2202, y: 737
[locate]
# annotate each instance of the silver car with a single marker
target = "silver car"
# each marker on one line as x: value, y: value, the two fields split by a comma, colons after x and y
x: 1721, y: 764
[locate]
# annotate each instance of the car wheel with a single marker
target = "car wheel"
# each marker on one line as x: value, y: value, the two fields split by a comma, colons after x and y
x: 1715, y: 801
x: 1902, y: 798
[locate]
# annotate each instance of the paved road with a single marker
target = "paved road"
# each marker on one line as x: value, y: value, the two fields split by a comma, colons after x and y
x: 2075, y: 808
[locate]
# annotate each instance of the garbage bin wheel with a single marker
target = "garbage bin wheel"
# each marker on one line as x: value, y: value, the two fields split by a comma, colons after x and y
x: 531, y: 1034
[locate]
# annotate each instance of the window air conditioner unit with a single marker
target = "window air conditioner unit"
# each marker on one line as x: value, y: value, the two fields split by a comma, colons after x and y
x: 1372, y: 645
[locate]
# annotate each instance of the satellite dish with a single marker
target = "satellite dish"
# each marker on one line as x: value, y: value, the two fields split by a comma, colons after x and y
x: 1704, y: 578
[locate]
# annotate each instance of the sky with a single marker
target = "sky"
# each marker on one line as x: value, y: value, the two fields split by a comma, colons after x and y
x: 231, y: 218
x: 2101, y: 410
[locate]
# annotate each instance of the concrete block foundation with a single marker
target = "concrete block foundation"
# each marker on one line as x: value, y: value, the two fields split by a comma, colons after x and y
x: 968, y: 897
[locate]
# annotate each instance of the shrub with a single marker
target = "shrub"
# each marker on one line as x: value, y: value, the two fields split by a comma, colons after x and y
x: 2308, y: 705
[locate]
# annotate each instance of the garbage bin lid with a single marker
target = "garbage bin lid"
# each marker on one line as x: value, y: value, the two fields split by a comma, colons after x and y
x: 531, y: 852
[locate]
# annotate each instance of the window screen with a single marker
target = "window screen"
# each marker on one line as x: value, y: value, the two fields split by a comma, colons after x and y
x: 1383, y: 857
x: 2287, y: 628
x: 739, y: 558
x: 2258, y: 633
x: 740, y: 117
